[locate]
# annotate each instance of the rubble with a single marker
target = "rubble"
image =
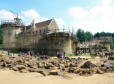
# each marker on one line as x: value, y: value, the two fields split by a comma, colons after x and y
x: 88, y: 64
x: 107, y: 68
x: 54, y: 66
x: 111, y: 58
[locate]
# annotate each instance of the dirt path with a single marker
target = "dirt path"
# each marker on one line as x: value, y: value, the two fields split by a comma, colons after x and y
x: 11, y: 77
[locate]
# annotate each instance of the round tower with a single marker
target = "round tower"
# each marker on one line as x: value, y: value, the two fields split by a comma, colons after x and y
x: 10, y: 30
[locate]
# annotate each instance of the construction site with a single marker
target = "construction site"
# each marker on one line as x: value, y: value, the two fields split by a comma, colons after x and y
x: 46, y: 49
x: 44, y: 37
x: 47, y: 38
x: 56, y: 42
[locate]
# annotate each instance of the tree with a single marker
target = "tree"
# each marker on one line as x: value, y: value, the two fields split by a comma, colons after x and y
x: 80, y: 35
x: 97, y: 35
x: 89, y: 36
x: 100, y: 34
x: 84, y: 36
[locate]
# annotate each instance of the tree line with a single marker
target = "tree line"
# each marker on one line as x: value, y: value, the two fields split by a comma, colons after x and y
x: 100, y: 34
x: 83, y: 36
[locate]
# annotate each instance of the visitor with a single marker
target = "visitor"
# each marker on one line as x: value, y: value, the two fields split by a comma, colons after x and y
x: 20, y: 53
x: 37, y: 53
x: 64, y: 54
x: 60, y: 54
x: 29, y: 53
x: 8, y: 53
x: 57, y: 54
x: 32, y: 53
x: 77, y: 53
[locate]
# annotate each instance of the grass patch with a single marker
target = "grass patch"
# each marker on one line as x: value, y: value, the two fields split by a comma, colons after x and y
x: 14, y: 51
x: 88, y: 55
x: 85, y: 55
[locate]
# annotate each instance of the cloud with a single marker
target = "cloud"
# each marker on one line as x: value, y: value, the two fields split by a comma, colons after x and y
x: 107, y: 2
x: 59, y: 21
x: 4, y: 14
x: 27, y: 16
x: 31, y: 14
x: 96, y: 19
x: 80, y: 14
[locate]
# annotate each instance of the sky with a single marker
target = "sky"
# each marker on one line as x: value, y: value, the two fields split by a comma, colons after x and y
x: 89, y: 15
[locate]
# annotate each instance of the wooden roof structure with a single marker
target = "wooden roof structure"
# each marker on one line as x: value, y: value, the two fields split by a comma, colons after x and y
x: 43, y: 24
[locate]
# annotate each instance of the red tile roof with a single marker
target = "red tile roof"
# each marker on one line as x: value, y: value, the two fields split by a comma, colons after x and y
x: 42, y: 24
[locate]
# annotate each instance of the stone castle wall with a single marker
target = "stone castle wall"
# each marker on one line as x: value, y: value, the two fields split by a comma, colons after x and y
x: 16, y: 38
x: 9, y: 37
x: 61, y: 44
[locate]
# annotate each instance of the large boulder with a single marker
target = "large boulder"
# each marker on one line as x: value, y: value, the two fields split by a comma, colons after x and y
x: 88, y: 64
x: 71, y: 70
x: 14, y: 68
x: 21, y: 68
x: 99, y: 71
x: 56, y: 72
x: 48, y: 65
x: 42, y: 72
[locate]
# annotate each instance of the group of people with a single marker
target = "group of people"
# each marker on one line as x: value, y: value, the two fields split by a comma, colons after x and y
x: 61, y: 54
x: 30, y: 53
x: 33, y: 53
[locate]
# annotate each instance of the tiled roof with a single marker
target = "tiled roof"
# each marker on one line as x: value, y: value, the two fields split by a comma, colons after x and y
x: 42, y: 24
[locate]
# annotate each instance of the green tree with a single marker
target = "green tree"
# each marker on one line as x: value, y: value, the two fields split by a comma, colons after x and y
x: 88, y: 36
x: 84, y: 36
x: 80, y: 35
x: 97, y: 34
x: 100, y: 34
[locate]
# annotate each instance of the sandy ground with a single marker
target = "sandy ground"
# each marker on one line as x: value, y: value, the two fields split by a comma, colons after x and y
x: 11, y: 77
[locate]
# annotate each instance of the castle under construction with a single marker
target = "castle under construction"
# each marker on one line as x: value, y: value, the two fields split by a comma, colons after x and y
x: 47, y: 38
x: 44, y: 37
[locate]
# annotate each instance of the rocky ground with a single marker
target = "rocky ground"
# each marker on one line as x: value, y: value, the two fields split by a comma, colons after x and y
x: 54, y: 66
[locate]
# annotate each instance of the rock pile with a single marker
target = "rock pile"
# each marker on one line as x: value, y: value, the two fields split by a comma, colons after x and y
x: 111, y: 58
x: 53, y: 66
x: 88, y: 68
x: 107, y: 68
x: 88, y: 64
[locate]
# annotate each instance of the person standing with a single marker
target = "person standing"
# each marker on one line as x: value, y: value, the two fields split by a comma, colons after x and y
x: 64, y: 54
x: 8, y: 53
x: 57, y: 54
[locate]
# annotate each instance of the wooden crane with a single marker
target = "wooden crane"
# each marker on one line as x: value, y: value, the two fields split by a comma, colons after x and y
x: 17, y: 20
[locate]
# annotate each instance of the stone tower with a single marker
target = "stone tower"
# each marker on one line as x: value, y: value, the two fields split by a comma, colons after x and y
x: 10, y: 30
x: 106, y: 41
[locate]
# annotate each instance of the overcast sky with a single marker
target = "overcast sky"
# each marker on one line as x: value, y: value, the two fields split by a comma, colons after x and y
x: 90, y: 15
